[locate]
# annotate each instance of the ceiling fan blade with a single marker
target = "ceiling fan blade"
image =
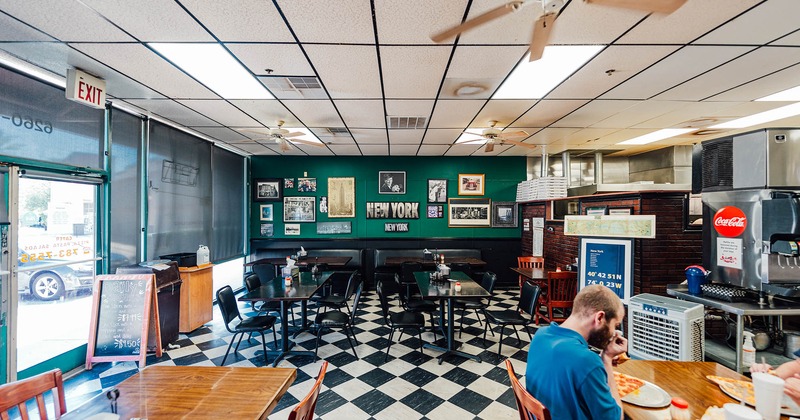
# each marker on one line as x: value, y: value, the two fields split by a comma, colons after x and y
x: 656, y: 6
x: 307, y: 142
x: 515, y: 135
x: 284, y: 145
x: 294, y: 134
x: 479, y: 20
x: 480, y: 140
x: 489, y: 147
x: 519, y: 143
x: 262, y: 130
x: 541, y: 35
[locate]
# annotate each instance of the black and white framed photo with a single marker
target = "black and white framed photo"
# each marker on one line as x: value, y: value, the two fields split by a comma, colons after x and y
x: 620, y: 211
x: 504, y: 214
x: 323, y: 204
x: 307, y: 184
x: 265, y: 211
x: 291, y: 229
x: 299, y: 209
x: 469, y: 212
x: 596, y: 210
x: 435, y: 211
x: 267, y: 189
x: 267, y: 230
x: 392, y: 182
x: 437, y: 190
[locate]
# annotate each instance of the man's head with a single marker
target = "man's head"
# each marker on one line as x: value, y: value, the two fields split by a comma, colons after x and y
x: 387, y: 179
x: 600, y: 306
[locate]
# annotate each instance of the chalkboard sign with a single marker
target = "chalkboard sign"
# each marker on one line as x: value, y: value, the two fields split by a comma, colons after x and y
x: 124, y: 314
x: 608, y: 262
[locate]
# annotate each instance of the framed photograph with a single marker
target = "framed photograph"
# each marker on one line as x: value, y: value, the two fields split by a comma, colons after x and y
x: 323, y: 204
x: 504, y: 214
x: 266, y: 212
x: 288, y: 182
x: 334, y: 228
x: 267, y: 189
x: 437, y: 190
x: 291, y: 229
x: 596, y: 211
x: 299, y: 209
x: 342, y: 197
x: 469, y: 212
x: 471, y: 184
x: 266, y: 229
x: 435, y: 211
x: 307, y: 184
x: 620, y: 211
x: 392, y: 182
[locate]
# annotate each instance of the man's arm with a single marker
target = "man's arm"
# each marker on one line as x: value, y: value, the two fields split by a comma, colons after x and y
x: 615, y: 347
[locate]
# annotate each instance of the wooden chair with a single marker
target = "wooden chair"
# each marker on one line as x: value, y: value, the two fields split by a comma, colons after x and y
x: 529, y: 262
x: 16, y: 394
x: 529, y: 407
x: 305, y: 409
x: 562, y: 286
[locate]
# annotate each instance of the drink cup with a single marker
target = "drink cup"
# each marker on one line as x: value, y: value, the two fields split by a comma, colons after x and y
x: 740, y: 412
x: 769, y: 393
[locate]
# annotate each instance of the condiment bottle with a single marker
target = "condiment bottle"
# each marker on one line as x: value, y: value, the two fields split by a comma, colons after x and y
x: 679, y: 409
x: 442, y: 257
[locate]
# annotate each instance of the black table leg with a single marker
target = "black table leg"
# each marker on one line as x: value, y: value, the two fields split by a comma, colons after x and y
x: 451, y: 342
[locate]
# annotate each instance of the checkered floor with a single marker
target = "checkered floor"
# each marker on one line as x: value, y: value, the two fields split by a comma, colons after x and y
x: 409, y: 385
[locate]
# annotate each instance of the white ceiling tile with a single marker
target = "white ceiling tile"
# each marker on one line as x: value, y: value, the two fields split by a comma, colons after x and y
x: 341, y: 21
x: 514, y: 28
x: 347, y: 71
x: 241, y: 20
x: 549, y: 135
x: 432, y: 150
x: 375, y: 149
x: 315, y: 113
x: 767, y: 85
x: 257, y: 149
x: 65, y: 20
x: 408, y: 21
x: 345, y: 150
x: 464, y: 149
x: 677, y: 68
x: 764, y: 23
x: 638, y: 113
x: 223, y: 134
x: 142, y: 65
x: 267, y: 111
x: 367, y: 136
x: 314, y: 151
x: 220, y: 111
x: 404, y: 150
x: 791, y: 40
x: 409, y: 107
x: 521, y: 151
x: 419, y: 70
x: 593, y: 112
x: 151, y: 20
x: 592, y: 79
x: 13, y: 30
x: 441, y: 136
x: 504, y: 111
x: 545, y: 112
x: 748, y: 108
x: 454, y: 113
x: 173, y: 111
x: 397, y: 137
x: 282, y: 59
x: 586, y: 135
x: 582, y: 23
x: 483, y: 62
x: 687, y: 112
x: 362, y: 114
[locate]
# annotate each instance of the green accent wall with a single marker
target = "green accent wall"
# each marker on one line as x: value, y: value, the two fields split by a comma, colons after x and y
x: 502, y: 174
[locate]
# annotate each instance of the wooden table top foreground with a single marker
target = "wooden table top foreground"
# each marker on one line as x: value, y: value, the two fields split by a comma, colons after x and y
x: 210, y: 392
x: 686, y: 380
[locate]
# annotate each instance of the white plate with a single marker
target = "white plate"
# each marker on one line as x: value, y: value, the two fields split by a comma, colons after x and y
x: 788, y: 407
x: 648, y: 395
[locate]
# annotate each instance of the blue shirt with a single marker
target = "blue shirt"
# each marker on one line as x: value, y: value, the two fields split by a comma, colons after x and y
x: 568, y: 378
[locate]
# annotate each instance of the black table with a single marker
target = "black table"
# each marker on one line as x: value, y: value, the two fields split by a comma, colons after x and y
x: 301, y: 290
x: 445, y: 292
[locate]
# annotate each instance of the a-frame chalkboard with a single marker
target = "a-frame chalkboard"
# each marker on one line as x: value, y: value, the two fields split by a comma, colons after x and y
x: 124, y: 313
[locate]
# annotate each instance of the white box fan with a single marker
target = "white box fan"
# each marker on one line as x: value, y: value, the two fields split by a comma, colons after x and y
x: 662, y: 328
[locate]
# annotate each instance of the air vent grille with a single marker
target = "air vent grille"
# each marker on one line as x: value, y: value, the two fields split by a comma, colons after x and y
x: 406, y: 122
x: 301, y: 83
x: 337, y: 131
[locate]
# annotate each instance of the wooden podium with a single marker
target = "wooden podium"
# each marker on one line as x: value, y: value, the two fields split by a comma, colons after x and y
x: 197, y: 296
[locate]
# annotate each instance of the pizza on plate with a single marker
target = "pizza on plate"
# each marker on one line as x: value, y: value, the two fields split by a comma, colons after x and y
x: 627, y: 384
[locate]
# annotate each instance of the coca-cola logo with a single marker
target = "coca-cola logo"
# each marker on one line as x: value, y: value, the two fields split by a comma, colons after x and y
x: 730, y: 221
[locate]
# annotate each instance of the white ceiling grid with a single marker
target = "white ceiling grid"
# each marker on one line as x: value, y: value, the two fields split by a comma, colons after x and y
x: 709, y: 60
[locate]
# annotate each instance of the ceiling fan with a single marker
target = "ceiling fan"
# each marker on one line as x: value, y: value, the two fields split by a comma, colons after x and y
x: 550, y: 9
x: 282, y: 137
x: 492, y: 136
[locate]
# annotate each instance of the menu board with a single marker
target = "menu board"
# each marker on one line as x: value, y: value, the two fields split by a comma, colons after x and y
x: 608, y: 262
x: 124, y: 313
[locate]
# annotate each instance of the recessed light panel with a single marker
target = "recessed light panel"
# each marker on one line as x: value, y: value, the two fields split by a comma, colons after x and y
x: 762, y: 117
x: 658, y: 135
x: 535, y: 79
x: 788, y: 95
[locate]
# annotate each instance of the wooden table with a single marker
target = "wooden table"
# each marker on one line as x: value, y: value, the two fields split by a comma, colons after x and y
x: 686, y: 380
x: 301, y: 290
x: 533, y: 274
x: 280, y: 261
x: 176, y: 392
x: 398, y: 261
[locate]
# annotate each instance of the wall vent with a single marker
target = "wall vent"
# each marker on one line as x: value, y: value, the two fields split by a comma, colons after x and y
x: 337, y: 131
x: 406, y: 122
x: 300, y: 82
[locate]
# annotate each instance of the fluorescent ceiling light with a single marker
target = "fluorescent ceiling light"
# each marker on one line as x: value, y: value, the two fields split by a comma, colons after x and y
x: 788, y: 95
x: 214, y: 67
x: 535, y: 79
x: 762, y: 117
x: 658, y: 135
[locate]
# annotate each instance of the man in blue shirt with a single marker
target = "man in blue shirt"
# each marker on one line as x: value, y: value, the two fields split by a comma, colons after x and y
x: 565, y: 375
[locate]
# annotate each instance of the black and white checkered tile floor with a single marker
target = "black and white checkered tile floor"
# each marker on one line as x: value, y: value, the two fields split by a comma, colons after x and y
x: 409, y: 385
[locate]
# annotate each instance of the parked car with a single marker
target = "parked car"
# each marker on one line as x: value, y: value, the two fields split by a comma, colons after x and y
x: 52, y: 283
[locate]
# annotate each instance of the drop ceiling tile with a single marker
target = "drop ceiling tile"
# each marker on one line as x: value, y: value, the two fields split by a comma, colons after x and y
x: 579, y: 138
x: 549, y: 135
x: 418, y: 70
x: 592, y: 79
x: 257, y: 149
x: 690, y: 21
x: 454, y: 113
x: 485, y: 62
x: 16, y: 31
x: 367, y: 136
x: 345, y: 150
x: 791, y: 40
x: 432, y: 150
x: 751, y: 66
x: 514, y: 28
x: 151, y: 20
x: 398, y: 137
x: 325, y: 136
x: 546, y: 112
x: 267, y: 111
x: 673, y: 70
x: 441, y: 136
x: 404, y: 149
x: 315, y: 113
x: 147, y: 68
x: 399, y: 22
x: 375, y: 149
x: 620, y: 136
x: 464, y: 149
x: 362, y: 114
x: 764, y: 23
x: 282, y: 59
x: 409, y: 108
x: 241, y: 20
x: 342, y: 21
x: 220, y: 111
x: 66, y: 20
x: 593, y: 112
x: 314, y: 151
x: 688, y: 112
x: 504, y: 111
x: 767, y: 85
x: 223, y: 134
x: 521, y: 151
x: 748, y: 108
x: 347, y: 71
x: 173, y: 111
x: 580, y: 24
x: 639, y: 112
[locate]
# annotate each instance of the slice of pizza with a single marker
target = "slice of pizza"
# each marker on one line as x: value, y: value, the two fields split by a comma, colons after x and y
x: 627, y: 384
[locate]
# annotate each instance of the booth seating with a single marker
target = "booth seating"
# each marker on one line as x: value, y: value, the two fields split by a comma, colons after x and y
x: 355, y: 263
x: 380, y: 256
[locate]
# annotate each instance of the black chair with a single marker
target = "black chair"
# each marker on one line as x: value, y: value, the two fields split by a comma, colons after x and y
x: 338, y: 299
x: 463, y: 267
x: 407, y: 279
x: 418, y: 305
x: 398, y: 320
x: 527, y: 303
x: 252, y: 282
x: 338, y: 319
x: 230, y: 311
x: 488, y: 282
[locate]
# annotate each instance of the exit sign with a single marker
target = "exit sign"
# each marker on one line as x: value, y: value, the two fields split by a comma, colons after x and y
x: 86, y: 89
